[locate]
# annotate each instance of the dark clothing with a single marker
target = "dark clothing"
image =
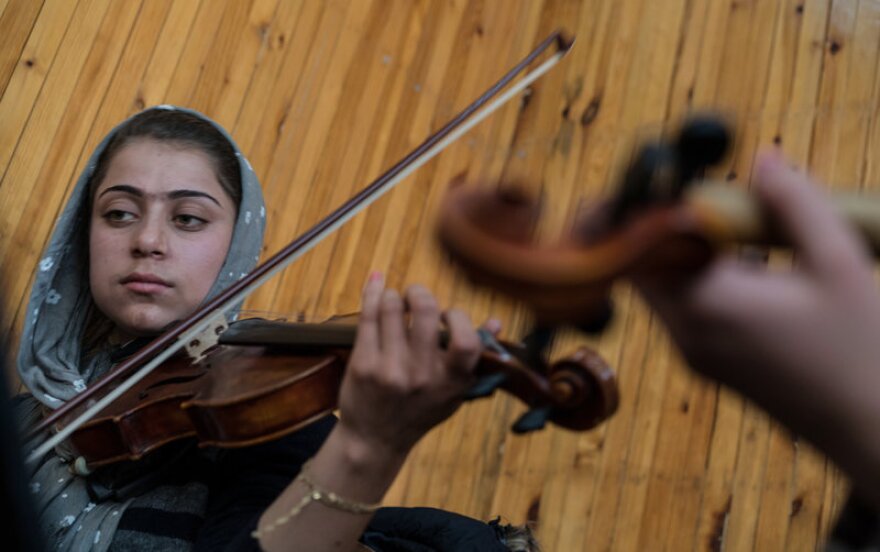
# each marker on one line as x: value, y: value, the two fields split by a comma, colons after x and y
x: 429, y: 530
x: 243, y: 482
x: 246, y: 481
x: 857, y: 529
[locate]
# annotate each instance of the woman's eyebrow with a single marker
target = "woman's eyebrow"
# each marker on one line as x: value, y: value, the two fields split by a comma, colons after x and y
x: 176, y: 194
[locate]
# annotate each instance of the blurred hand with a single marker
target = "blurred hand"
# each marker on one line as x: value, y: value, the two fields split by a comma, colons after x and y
x: 399, y: 382
x: 804, y: 344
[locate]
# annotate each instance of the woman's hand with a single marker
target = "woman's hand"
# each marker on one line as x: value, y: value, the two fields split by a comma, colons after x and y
x: 804, y: 344
x: 399, y: 382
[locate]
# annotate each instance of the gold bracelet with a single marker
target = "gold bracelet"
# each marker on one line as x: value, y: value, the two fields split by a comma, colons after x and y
x: 316, y: 494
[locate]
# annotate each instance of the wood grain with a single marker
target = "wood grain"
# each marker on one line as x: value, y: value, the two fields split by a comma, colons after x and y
x: 323, y: 96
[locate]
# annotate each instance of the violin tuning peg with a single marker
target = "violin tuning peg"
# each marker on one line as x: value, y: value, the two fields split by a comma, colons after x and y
x: 703, y: 142
x: 533, y: 420
x: 485, y: 386
x: 648, y: 180
x: 599, y: 318
x: 537, y: 342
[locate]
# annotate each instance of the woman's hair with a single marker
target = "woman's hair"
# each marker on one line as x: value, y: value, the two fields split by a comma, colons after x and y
x: 517, y: 538
x: 172, y: 126
x: 168, y: 126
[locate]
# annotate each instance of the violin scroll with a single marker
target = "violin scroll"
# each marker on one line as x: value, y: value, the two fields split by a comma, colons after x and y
x: 585, y: 388
x: 577, y: 392
x: 645, y: 226
x: 663, y: 218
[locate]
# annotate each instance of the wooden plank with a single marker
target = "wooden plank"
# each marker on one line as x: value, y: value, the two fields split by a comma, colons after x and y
x: 721, y: 469
x: 197, y: 52
x: 3, y: 5
x: 755, y: 125
x: 275, y: 45
x: 802, y: 96
x: 691, y: 50
x: 699, y: 403
x: 806, y: 504
x: 170, y: 45
x: 291, y: 174
x: 246, y: 59
x: 354, y: 116
x: 322, y: 96
x: 677, y: 473
x: 268, y: 109
x: 627, y: 348
x: 225, y: 74
x: 747, y: 482
x: 776, y: 500
x: 424, y: 65
x: 871, y: 171
x: 26, y: 81
x: 857, y: 39
x: 639, y: 460
x: 16, y: 23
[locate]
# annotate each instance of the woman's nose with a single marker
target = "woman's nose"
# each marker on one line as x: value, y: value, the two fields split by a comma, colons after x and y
x: 150, y: 239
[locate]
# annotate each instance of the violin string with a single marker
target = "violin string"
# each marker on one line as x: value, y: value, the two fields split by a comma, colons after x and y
x: 199, y: 328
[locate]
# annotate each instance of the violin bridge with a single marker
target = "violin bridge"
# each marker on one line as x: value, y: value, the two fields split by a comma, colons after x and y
x: 208, y: 339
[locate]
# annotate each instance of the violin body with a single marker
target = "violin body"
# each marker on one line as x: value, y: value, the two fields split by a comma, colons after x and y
x: 237, y: 396
x: 123, y: 433
x: 259, y: 394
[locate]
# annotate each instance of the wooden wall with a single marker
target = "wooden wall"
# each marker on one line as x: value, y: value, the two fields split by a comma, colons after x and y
x: 324, y: 95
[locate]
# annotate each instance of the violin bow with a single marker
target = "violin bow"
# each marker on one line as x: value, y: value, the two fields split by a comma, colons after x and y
x: 190, y: 329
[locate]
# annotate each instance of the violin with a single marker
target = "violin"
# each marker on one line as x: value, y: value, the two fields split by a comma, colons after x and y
x: 663, y: 217
x: 251, y: 382
x: 267, y: 379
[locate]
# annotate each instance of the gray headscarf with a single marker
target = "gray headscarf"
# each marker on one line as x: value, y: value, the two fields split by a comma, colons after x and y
x: 49, y: 358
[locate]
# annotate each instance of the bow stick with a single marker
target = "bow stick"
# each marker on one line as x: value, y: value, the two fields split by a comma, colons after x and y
x: 190, y: 329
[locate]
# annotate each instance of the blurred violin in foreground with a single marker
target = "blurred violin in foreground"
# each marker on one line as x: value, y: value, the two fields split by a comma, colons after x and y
x: 663, y: 217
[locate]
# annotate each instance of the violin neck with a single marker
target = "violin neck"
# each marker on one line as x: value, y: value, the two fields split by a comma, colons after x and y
x: 733, y: 214
x: 334, y: 334
x: 256, y: 331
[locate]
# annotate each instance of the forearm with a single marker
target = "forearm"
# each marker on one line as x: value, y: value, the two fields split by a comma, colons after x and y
x: 838, y: 411
x: 346, y: 466
x: 855, y: 446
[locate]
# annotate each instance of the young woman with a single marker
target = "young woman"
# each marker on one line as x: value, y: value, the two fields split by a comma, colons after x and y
x: 168, y: 213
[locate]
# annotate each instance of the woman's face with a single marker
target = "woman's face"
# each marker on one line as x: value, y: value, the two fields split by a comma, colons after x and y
x: 161, y: 226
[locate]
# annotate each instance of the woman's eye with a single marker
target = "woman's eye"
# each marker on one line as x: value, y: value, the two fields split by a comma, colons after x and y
x: 190, y: 222
x: 118, y: 215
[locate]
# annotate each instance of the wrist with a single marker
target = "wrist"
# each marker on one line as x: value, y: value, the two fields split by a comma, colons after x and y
x: 859, y: 454
x: 365, y: 453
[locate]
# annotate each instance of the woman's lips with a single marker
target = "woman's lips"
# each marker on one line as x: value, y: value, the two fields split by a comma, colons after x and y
x: 148, y: 284
x: 147, y: 288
